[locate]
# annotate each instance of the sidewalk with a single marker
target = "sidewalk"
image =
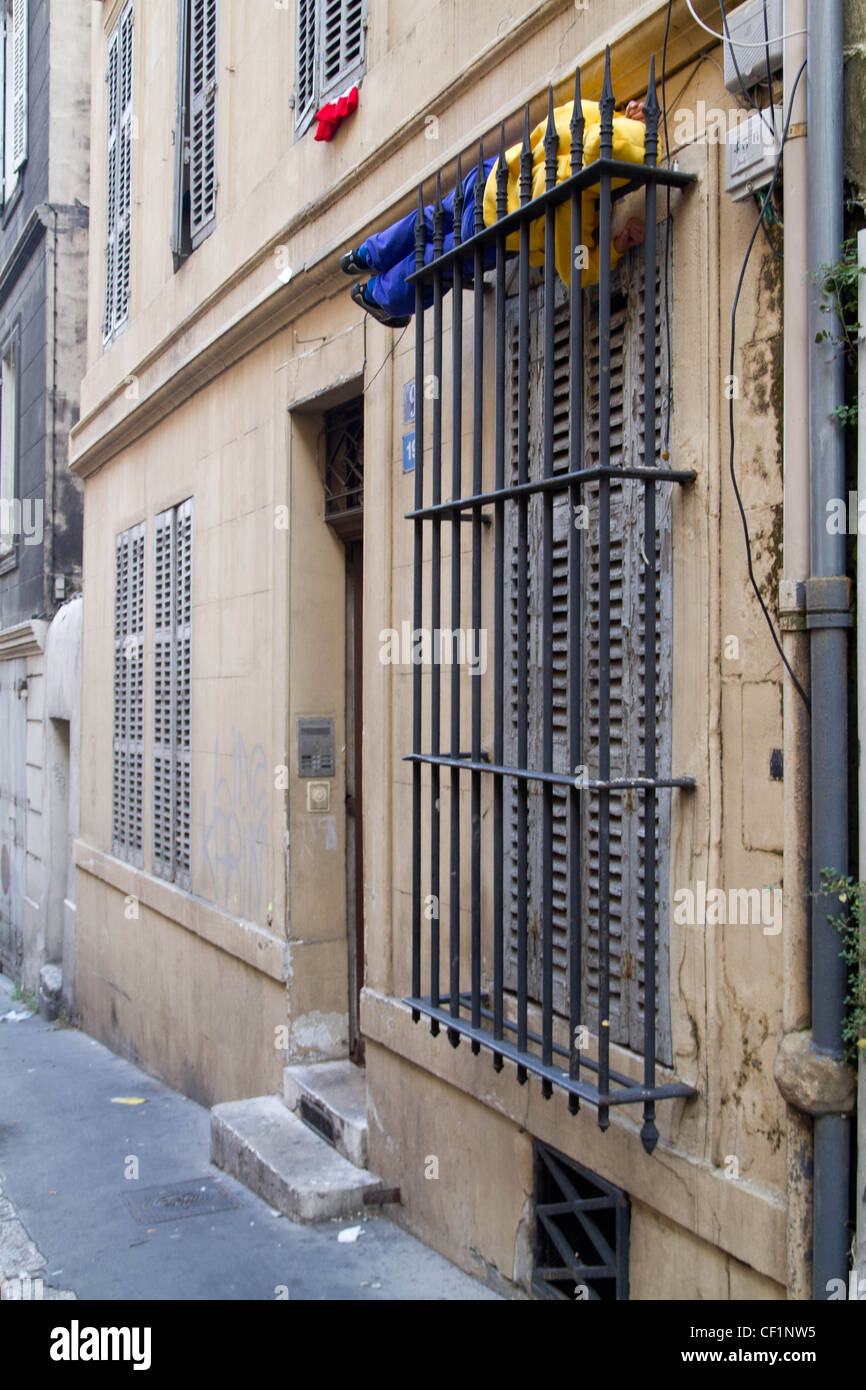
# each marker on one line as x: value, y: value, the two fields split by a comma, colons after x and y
x: 64, y: 1215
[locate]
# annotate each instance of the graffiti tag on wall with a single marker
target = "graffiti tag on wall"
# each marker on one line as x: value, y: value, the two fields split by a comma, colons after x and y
x: 234, y: 849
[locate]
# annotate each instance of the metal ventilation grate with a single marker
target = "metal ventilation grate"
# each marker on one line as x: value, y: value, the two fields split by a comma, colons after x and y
x: 582, y: 1226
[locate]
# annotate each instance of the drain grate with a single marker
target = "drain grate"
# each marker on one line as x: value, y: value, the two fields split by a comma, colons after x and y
x: 196, y: 1197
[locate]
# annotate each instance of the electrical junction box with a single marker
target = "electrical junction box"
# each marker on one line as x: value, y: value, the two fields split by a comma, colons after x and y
x: 751, y: 151
x: 746, y: 28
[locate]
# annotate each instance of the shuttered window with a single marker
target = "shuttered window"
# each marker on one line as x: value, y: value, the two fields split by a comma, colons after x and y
x: 172, y: 748
x: 626, y: 630
x: 119, y: 180
x: 15, y: 32
x: 195, y: 129
x: 128, y: 730
x: 330, y: 52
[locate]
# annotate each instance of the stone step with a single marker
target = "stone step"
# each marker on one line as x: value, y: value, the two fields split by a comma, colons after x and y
x: 272, y: 1152
x: 331, y: 1097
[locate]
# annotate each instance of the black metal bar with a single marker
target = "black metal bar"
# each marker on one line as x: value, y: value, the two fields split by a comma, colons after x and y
x: 636, y: 174
x: 525, y: 193
x: 575, y: 632
x: 417, y: 604
x: 531, y: 1062
x: 456, y: 542
x: 556, y: 779
x: 551, y: 150
x: 436, y: 599
x: 556, y: 484
x: 604, y: 234
x: 649, y: 1132
x: 475, y: 679
x: 499, y: 606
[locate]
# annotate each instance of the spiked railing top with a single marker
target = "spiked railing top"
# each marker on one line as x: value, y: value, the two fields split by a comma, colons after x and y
x: 606, y: 106
x: 501, y: 177
x: 459, y: 201
x: 479, y: 190
x: 551, y: 144
x: 525, y: 161
x: 438, y: 220
x: 652, y: 111
x: 577, y: 127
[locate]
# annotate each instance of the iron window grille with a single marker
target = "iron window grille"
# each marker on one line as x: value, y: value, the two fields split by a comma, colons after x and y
x: 581, y: 1232
x: 128, y: 732
x: 528, y: 783
x: 344, y: 465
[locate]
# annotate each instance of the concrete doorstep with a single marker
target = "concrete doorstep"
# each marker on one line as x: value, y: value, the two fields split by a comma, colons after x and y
x: 272, y: 1152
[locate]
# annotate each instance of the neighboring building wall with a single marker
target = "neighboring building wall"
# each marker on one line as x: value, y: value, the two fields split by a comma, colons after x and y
x: 215, y: 390
x: 43, y: 255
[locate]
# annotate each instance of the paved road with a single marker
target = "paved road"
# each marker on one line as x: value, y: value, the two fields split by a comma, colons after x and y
x: 65, y: 1148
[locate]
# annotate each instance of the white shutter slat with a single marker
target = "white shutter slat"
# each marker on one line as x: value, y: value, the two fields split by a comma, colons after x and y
x: 20, y: 28
x: 305, y: 59
x: 342, y: 40
x: 124, y: 170
x: 182, y: 619
x: 111, y: 184
x: 128, y: 723
x: 163, y: 691
x: 203, y: 126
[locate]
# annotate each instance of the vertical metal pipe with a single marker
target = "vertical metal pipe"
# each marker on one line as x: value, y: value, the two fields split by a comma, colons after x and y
x: 521, y: 789
x: 827, y: 618
x: 417, y: 605
x: 575, y: 635
x: 436, y: 597
x: 551, y: 150
x: 499, y: 607
x: 476, y: 674
x: 604, y: 233
x: 456, y: 542
x: 649, y: 1133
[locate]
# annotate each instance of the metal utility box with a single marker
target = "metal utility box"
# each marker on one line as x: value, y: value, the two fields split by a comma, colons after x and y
x: 315, y: 747
x: 746, y: 28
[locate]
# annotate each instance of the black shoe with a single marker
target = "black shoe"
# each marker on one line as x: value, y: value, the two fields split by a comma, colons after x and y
x: 351, y: 263
x: 375, y: 310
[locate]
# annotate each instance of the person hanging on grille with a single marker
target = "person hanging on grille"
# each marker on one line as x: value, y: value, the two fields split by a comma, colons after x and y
x: 390, y: 254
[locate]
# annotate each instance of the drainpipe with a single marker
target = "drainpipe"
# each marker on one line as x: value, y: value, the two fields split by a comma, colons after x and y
x: 796, y: 872
x: 828, y: 617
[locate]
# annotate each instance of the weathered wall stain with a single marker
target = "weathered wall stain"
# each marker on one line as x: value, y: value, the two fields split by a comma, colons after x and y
x: 234, y: 846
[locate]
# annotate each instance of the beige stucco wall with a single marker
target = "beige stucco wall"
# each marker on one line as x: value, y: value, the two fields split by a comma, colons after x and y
x: 215, y: 390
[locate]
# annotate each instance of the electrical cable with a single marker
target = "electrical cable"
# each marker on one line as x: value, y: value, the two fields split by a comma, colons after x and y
x: 797, y: 686
x: 740, y: 43
x: 769, y: 70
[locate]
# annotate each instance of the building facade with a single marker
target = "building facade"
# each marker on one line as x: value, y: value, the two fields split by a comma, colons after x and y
x: 43, y: 316
x: 248, y: 888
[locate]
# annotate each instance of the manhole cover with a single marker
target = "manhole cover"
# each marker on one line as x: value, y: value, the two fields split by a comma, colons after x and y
x: 197, y: 1197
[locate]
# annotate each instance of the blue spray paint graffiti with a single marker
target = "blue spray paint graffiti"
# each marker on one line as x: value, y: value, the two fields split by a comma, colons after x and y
x: 235, y: 849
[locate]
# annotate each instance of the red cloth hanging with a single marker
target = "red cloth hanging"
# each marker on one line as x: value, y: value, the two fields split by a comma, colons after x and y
x: 332, y: 113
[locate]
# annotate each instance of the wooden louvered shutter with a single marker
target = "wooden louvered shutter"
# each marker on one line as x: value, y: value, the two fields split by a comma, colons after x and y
x: 181, y: 129
x: 626, y: 724
x: 342, y: 41
x: 128, y: 727
x: 172, y: 743
x: 203, y: 118
x: 305, y: 62
x: 124, y: 170
x: 112, y: 81
x: 163, y: 694
x: 182, y: 621
x: 19, y: 83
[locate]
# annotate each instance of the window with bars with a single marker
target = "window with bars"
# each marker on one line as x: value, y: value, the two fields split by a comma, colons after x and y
x: 128, y: 732
x: 15, y: 32
x: 330, y: 52
x: 626, y: 728
x: 579, y: 764
x: 195, y: 129
x: 172, y: 651
x: 119, y: 181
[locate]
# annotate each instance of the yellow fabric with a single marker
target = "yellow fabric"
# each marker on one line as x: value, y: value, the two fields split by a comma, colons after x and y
x: 628, y: 144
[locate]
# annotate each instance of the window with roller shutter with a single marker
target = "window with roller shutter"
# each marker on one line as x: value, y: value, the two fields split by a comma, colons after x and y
x: 626, y: 722
x: 119, y: 180
x: 128, y: 726
x: 330, y: 53
x: 195, y: 129
x: 172, y: 746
